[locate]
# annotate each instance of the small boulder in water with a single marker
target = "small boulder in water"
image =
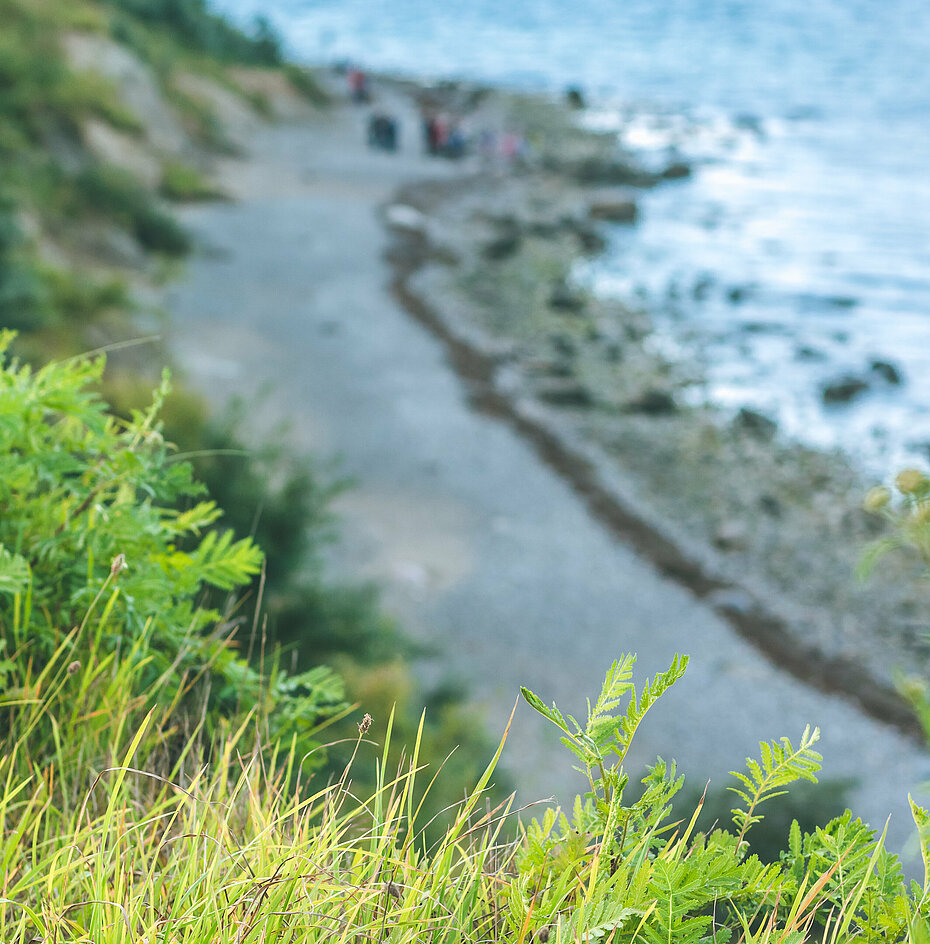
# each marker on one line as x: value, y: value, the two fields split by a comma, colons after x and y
x: 676, y: 171
x: 843, y: 389
x: 887, y: 371
x: 615, y: 208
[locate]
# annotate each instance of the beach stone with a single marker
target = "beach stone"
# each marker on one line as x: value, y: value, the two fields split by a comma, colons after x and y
x: 843, y: 389
x: 756, y: 424
x: 770, y: 505
x: 503, y: 247
x: 592, y: 171
x: 613, y: 352
x: 887, y: 371
x: 731, y: 536
x: 613, y: 208
x: 589, y: 239
x: 731, y: 600
x: 653, y: 402
x: 676, y: 171
x: 563, y: 344
x: 807, y: 353
x: 564, y: 392
x: 402, y: 216
x: 564, y: 298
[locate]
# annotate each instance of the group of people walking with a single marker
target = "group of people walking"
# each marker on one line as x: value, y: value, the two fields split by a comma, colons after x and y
x: 444, y: 132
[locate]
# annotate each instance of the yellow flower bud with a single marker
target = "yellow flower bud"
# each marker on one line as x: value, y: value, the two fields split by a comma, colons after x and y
x: 876, y: 498
x: 909, y: 481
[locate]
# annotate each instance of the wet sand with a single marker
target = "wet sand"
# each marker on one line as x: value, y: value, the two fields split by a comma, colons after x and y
x: 483, y: 550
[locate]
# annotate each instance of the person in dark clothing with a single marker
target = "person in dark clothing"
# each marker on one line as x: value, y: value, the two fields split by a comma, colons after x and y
x: 383, y: 132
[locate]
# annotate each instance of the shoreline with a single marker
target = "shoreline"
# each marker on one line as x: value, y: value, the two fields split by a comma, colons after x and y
x: 498, y: 369
x: 483, y: 552
x: 589, y: 474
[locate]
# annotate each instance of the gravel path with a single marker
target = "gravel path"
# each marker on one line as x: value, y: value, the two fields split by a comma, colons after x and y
x: 482, y: 549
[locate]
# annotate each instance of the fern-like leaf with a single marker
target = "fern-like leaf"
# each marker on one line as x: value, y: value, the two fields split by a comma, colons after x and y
x: 14, y: 572
x: 781, y: 765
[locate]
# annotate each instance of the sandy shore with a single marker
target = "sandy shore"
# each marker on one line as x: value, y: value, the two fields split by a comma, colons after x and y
x: 483, y: 549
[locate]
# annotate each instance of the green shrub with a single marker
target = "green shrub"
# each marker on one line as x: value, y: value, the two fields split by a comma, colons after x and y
x: 242, y: 848
x: 907, y: 512
x: 114, y: 194
x: 23, y: 298
x: 180, y: 181
x: 619, y: 870
x: 98, y: 562
x: 192, y: 24
x: 306, y: 83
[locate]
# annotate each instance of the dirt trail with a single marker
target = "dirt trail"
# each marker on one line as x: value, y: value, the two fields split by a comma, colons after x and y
x: 483, y: 550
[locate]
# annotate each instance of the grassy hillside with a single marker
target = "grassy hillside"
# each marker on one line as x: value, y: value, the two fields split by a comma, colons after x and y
x: 110, y: 111
x: 168, y: 772
x: 157, y: 785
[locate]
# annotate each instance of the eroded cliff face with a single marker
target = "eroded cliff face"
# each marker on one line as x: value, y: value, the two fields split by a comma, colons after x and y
x: 103, y: 130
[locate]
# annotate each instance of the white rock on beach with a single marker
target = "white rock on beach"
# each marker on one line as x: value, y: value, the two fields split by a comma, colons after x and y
x: 402, y: 216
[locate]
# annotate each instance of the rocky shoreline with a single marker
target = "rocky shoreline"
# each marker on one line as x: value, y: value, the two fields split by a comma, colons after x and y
x: 767, y: 531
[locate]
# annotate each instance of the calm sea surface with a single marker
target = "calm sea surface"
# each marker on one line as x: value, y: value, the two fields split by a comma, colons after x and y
x: 799, y: 252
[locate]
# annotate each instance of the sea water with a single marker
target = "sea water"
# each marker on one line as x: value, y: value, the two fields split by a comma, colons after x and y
x: 799, y: 250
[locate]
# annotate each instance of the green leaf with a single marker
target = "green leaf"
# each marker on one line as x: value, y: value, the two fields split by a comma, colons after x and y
x: 14, y: 572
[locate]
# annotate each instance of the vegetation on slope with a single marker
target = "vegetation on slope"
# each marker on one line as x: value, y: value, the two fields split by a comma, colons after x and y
x: 79, y: 233
x: 157, y: 785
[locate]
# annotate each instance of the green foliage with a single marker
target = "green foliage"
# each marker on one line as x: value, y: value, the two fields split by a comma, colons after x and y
x: 108, y: 191
x: 908, y: 515
x: 100, y: 564
x: 306, y: 83
x: 184, y: 183
x: 23, y: 303
x: 605, y: 731
x: 619, y: 871
x: 781, y: 765
x: 809, y: 803
x: 191, y: 22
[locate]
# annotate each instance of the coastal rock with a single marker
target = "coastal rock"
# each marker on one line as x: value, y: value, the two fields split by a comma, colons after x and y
x: 653, y: 402
x: 731, y: 536
x: 731, y: 600
x: 567, y: 299
x: 589, y: 239
x: 677, y: 170
x: 756, y: 424
x: 503, y: 247
x: 770, y: 505
x: 600, y: 171
x: 564, y: 392
x: 402, y: 216
x: 563, y: 344
x: 887, y: 371
x: 614, y: 208
x: 807, y: 353
x: 843, y: 389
